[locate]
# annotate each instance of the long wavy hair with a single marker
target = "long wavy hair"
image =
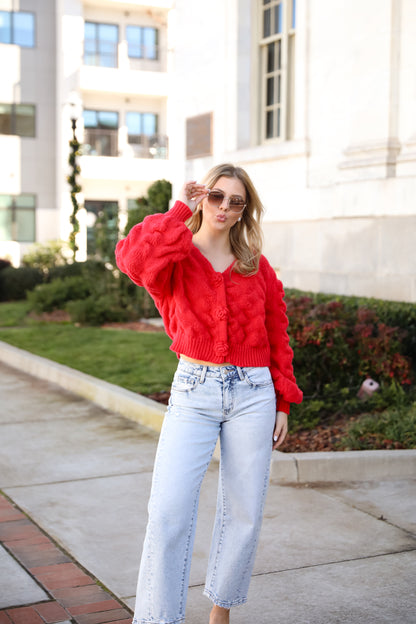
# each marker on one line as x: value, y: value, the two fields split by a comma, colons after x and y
x: 246, y: 236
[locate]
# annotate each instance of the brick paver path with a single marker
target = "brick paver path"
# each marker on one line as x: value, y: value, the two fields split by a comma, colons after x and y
x: 74, y: 595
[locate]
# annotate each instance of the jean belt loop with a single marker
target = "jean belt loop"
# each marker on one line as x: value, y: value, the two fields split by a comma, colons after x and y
x: 240, y: 373
x: 203, y: 374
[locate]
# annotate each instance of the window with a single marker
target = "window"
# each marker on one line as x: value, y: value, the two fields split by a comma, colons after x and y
x: 17, y: 27
x: 142, y: 130
x: 17, y: 119
x: 102, y: 227
x: 139, y: 124
x: 17, y: 218
x: 101, y: 44
x: 100, y: 133
x: 277, y: 60
x: 142, y: 42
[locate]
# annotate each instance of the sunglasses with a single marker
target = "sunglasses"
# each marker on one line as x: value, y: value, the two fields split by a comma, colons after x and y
x: 235, y: 203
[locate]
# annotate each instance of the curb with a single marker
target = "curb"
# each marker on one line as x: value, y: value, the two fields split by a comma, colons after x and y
x: 302, y: 468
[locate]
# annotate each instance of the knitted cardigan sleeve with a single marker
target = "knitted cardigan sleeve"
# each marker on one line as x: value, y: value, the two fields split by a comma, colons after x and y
x: 152, y: 248
x: 281, y: 367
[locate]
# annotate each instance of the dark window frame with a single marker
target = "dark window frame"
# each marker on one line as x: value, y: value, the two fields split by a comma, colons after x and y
x: 12, y: 32
x: 14, y: 118
x: 14, y: 208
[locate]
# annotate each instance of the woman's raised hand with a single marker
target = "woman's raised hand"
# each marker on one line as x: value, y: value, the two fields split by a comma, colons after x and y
x: 192, y: 193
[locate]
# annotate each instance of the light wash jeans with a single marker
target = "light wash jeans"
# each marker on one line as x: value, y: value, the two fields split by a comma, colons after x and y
x: 239, y: 405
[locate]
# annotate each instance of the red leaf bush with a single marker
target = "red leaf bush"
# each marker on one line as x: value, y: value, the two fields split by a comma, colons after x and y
x: 338, y: 346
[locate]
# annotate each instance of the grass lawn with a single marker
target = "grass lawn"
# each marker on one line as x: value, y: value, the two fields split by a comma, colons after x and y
x: 12, y: 314
x: 141, y: 362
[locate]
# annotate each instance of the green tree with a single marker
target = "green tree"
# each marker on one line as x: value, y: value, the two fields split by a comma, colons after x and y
x: 158, y: 196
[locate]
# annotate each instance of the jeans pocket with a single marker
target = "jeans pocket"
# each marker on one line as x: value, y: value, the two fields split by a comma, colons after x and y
x: 184, y: 382
x: 257, y: 376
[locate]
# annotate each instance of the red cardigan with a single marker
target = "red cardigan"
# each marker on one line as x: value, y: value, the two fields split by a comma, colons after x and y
x: 211, y: 316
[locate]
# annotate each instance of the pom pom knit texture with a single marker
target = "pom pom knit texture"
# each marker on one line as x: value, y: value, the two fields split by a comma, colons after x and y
x: 211, y: 316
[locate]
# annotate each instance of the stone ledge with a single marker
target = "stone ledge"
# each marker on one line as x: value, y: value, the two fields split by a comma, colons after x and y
x: 285, y: 468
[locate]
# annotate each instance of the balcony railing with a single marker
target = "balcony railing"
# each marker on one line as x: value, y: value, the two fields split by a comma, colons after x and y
x: 149, y: 146
x: 100, y: 142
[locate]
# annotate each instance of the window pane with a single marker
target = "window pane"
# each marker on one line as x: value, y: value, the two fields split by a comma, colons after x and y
x: 25, y: 120
x: 90, y: 119
x: 5, y: 224
x: 277, y: 19
x: 279, y: 54
x: 270, y: 91
x: 5, y: 27
x: 24, y: 29
x: 25, y: 226
x: 107, y: 47
x: 90, y: 30
x: 133, y: 121
x: 150, y: 43
x: 134, y: 40
x: 149, y: 123
x: 25, y: 201
x: 293, y: 13
x: 278, y: 91
x: 278, y: 122
x: 270, y: 58
x: 5, y: 118
x: 269, y: 124
x: 107, y: 119
x: 108, y: 32
x: 267, y: 23
x: 6, y: 201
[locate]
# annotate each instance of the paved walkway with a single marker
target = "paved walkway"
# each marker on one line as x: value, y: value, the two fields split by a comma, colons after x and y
x: 75, y: 480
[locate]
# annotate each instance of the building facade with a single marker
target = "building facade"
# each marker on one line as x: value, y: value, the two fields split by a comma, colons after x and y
x: 103, y: 63
x: 316, y: 99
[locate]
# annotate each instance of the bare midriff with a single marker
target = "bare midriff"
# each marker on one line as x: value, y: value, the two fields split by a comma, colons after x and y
x: 202, y: 362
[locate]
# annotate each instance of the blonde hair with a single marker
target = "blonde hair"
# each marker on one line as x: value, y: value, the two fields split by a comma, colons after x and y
x: 246, y: 237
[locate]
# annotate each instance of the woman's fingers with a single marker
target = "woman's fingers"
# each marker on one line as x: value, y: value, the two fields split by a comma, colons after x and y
x: 280, y: 429
x: 192, y: 193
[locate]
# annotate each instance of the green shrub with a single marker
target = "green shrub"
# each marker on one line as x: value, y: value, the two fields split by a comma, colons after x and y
x: 394, y: 428
x: 65, y: 270
x: 48, y: 297
x: 96, y: 311
x: 15, y: 283
x: 45, y: 256
x: 4, y: 264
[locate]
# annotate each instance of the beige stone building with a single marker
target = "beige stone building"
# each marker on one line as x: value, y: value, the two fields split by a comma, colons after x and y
x: 317, y: 100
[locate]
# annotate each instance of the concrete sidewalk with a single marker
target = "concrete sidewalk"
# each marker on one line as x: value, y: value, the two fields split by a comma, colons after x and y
x: 329, y: 553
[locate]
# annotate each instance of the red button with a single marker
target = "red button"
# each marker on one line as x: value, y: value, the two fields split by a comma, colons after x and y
x: 221, y: 313
x: 221, y: 349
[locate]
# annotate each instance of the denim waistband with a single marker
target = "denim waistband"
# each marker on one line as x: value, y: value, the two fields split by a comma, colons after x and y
x: 222, y: 371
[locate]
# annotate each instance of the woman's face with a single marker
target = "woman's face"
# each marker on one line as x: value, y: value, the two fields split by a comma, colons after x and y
x: 218, y: 214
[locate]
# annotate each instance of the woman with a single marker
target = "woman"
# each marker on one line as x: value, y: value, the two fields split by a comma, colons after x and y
x: 223, y: 308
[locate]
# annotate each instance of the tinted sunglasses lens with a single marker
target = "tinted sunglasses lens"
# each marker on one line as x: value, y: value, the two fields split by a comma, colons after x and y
x: 236, y: 204
x: 216, y: 198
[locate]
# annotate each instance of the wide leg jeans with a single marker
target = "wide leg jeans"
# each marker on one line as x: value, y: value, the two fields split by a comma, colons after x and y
x: 238, y: 405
